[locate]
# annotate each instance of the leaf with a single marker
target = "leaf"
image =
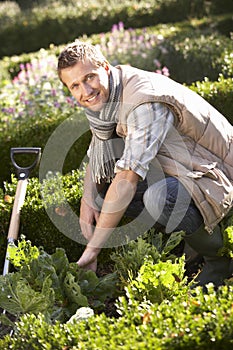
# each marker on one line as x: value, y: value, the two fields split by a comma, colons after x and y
x: 157, y: 241
x: 73, y: 291
x: 17, y: 296
x: 106, y: 287
x: 45, y: 266
x: 88, y: 281
x: 5, y: 320
x: 172, y: 242
x: 60, y: 261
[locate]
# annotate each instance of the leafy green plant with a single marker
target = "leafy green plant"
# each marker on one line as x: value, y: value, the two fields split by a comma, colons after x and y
x: 157, y: 281
x: 227, y: 232
x: 22, y: 254
x: 129, y: 259
x: 49, y: 284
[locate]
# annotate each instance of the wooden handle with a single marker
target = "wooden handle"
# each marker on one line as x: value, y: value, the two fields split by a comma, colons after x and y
x: 18, y: 203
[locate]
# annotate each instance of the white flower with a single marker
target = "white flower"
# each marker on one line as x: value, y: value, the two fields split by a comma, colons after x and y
x: 81, y: 314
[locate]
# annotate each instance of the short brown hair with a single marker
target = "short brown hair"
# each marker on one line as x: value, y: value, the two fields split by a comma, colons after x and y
x: 79, y: 51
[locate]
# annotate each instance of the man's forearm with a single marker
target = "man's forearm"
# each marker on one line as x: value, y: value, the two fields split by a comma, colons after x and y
x: 91, y: 189
x: 118, y: 197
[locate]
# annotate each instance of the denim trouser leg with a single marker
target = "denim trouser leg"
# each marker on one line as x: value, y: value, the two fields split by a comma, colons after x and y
x: 170, y: 204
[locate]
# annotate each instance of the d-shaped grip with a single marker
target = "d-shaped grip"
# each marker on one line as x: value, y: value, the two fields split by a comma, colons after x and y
x: 24, y: 172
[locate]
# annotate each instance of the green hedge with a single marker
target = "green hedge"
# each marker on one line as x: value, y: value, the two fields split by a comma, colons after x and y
x: 36, y: 225
x: 58, y: 22
x: 218, y: 94
x: 198, y: 321
x: 199, y: 54
x: 35, y: 132
x: 198, y: 44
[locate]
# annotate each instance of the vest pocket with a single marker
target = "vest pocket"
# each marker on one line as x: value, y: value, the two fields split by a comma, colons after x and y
x: 216, y: 188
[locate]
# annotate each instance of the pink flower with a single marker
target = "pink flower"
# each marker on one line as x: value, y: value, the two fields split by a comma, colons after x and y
x: 165, y: 71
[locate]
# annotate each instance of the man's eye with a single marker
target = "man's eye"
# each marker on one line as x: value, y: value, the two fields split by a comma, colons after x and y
x: 90, y: 76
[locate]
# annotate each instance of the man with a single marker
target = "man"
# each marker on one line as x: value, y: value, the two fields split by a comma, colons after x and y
x: 172, y: 139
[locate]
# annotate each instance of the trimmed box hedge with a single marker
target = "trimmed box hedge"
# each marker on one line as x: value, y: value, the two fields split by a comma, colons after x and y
x: 28, y: 29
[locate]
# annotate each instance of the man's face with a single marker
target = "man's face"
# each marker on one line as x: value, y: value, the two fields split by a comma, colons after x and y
x: 88, y: 84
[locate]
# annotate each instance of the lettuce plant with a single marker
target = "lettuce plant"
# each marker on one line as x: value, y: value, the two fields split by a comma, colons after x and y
x: 49, y: 284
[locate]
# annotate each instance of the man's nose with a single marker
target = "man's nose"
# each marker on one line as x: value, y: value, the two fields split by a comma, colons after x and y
x: 86, y: 89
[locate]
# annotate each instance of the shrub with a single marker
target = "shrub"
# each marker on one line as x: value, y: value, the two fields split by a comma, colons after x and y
x: 199, y: 55
x: 197, y: 321
x: 57, y: 22
x: 35, y: 222
x: 217, y: 93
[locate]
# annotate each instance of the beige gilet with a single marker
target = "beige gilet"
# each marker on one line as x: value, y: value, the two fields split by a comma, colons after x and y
x: 205, y: 164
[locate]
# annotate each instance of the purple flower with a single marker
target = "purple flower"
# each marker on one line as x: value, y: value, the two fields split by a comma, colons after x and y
x: 114, y: 28
x: 57, y: 104
x: 121, y: 26
x: 10, y: 110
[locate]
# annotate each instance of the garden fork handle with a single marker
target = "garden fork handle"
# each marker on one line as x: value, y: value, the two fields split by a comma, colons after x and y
x: 15, y: 219
x: 18, y: 203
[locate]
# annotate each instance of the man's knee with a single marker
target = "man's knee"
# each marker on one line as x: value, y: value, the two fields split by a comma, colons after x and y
x: 154, y: 198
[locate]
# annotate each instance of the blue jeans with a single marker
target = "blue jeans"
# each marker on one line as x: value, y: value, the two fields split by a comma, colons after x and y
x: 167, y: 202
x: 170, y: 204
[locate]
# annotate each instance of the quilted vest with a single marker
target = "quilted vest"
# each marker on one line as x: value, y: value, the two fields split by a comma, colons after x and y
x: 205, y: 163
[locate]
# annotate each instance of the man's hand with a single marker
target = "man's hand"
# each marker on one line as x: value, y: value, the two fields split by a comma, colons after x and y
x: 88, y: 217
x: 117, y: 199
x: 88, y: 259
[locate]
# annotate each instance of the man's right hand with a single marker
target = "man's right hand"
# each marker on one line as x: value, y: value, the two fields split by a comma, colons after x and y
x: 88, y: 218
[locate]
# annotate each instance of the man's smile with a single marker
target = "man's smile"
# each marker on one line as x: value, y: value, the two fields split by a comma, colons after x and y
x: 93, y: 97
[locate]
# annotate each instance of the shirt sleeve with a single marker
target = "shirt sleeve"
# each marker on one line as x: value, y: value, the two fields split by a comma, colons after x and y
x: 147, y: 128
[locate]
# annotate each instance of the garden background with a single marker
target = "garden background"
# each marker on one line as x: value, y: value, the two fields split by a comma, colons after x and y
x: 191, y: 41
